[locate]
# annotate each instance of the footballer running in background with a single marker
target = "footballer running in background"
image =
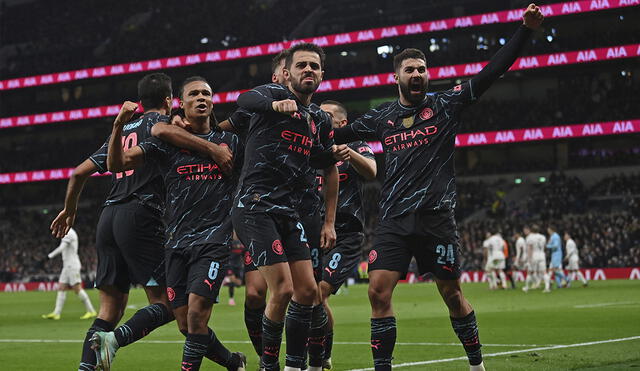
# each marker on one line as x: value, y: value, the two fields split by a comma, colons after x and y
x: 70, y: 278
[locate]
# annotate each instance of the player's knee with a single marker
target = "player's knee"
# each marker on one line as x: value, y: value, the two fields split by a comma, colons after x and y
x: 283, y: 293
x: 453, y: 299
x: 379, y: 296
x: 197, y: 320
x: 307, y: 294
x: 255, y: 297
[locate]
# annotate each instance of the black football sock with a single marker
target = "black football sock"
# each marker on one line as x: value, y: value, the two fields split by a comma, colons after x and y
x: 88, y: 360
x: 317, y: 335
x: 142, y: 323
x: 467, y: 330
x: 383, y: 340
x: 253, y: 321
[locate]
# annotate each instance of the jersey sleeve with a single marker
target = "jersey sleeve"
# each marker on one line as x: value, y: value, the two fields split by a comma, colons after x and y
x: 363, y: 128
x: 458, y: 96
x: 260, y: 98
x: 363, y: 149
x: 154, y: 149
x: 240, y: 121
x: 99, y: 157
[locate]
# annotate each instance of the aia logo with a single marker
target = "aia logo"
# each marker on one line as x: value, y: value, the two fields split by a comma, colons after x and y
x: 331, y: 134
x: 339, y: 163
x: 296, y: 115
x: 426, y: 114
x: 373, y: 255
x: 247, y: 258
x: 276, y: 246
x: 314, y: 129
x: 457, y: 88
x: 171, y: 294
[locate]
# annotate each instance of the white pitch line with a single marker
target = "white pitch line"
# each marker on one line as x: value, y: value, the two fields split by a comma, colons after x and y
x: 604, y: 304
x: 248, y: 342
x: 409, y: 364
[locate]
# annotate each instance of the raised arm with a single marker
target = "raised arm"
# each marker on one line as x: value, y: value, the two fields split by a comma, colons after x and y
x: 117, y: 159
x: 65, y: 219
x: 267, y: 98
x: 504, y: 58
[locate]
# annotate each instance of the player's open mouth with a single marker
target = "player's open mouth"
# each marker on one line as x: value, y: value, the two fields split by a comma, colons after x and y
x: 415, y: 87
x: 201, y: 108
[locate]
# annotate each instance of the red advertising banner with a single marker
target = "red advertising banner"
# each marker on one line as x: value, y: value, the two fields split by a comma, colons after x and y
x: 357, y: 82
x: 505, y: 16
x: 591, y: 274
x: 462, y: 140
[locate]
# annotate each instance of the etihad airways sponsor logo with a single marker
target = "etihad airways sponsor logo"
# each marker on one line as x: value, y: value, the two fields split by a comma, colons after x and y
x: 298, y: 143
x: 410, y: 138
x: 208, y: 171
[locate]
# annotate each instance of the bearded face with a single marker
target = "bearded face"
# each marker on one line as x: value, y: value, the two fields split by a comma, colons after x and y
x: 413, y: 80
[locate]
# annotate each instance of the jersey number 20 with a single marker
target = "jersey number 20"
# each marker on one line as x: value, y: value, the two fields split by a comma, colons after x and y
x: 129, y: 141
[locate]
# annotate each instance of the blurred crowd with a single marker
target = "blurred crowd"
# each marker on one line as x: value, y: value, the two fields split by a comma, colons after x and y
x: 606, y: 236
x: 25, y: 242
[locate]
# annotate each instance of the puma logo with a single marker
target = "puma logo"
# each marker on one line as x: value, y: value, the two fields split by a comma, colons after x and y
x: 375, y: 344
x: 447, y: 268
x: 330, y: 272
x: 210, y: 284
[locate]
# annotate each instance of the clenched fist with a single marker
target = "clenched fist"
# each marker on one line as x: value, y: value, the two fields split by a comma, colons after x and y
x: 532, y: 17
x: 286, y: 106
x: 126, y: 112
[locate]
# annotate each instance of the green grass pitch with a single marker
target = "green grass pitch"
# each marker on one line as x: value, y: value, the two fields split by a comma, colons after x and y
x: 527, y: 327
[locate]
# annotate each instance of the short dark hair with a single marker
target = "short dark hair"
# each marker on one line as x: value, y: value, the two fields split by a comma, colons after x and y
x: 340, y: 106
x: 552, y: 227
x: 189, y: 80
x: 409, y: 53
x: 307, y: 47
x: 153, y: 89
x: 275, y: 62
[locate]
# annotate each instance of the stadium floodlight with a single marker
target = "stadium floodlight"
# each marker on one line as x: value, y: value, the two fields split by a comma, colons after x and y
x: 385, y: 50
x: 518, y: 181
x: 549, y: 38
x: 502, y: 41
x: 542, y: 179
x: 344, y: 53
x: 204, y: 40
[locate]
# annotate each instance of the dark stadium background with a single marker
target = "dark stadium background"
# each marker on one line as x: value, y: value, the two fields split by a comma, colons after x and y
x: 587, y: 186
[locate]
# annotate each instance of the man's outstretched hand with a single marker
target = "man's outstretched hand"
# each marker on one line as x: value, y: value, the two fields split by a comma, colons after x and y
x: 532, y: 17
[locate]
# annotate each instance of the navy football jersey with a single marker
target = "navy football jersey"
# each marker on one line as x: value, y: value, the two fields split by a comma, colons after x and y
x: 199, y: 195
x: 144, y: 184
x: 276, y: 171
x: 418, y: 144
x: 350, y: 214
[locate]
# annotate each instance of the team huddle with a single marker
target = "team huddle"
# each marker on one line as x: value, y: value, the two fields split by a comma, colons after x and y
x: 283, y: 174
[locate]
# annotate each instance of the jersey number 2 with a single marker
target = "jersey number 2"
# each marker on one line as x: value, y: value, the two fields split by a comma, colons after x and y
x: 129, y: 141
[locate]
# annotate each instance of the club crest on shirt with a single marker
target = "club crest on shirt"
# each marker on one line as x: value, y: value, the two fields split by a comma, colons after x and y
x: 426, y: 113
x: 407, y: 122
x: 314, y: 129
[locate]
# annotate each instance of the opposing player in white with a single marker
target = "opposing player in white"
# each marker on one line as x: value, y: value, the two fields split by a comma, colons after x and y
x: 573, y: 260
x: 495, y: 260
x: 520, y: 261
x: 536, y: 259
x: 70, y: 276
